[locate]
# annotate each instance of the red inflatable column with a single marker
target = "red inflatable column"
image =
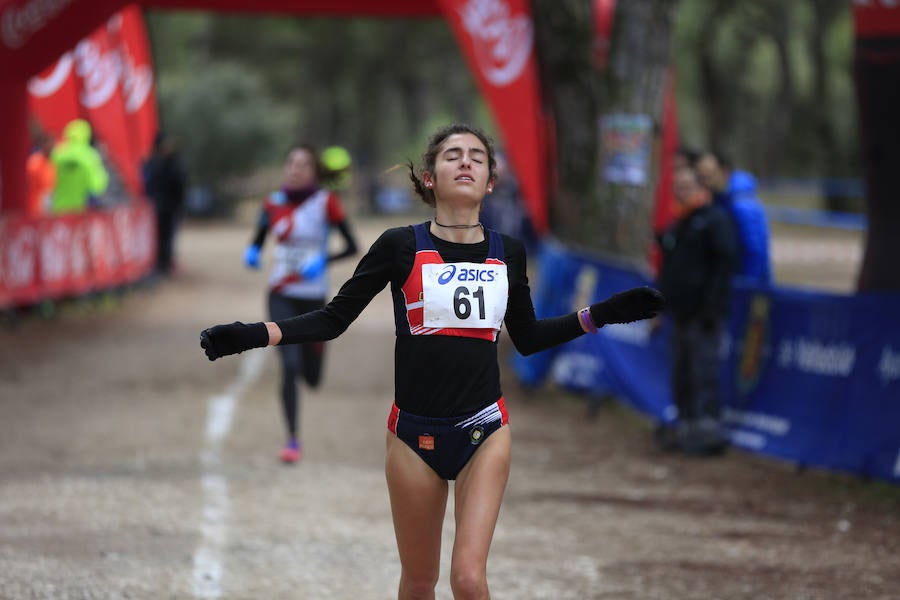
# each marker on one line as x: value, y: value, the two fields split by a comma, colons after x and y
x: 14, y: 145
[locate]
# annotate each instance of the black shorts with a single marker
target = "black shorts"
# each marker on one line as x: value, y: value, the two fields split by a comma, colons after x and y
x: 447, y: 444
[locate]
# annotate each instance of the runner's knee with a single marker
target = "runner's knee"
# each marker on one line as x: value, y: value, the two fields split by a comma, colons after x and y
x: 468, y: 581
x: 419, y: 584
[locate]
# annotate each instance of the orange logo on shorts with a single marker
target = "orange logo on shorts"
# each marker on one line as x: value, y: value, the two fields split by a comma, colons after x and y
x: 426, y: 442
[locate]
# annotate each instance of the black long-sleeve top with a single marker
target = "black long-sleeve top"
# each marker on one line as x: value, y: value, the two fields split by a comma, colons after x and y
x: 437, y: 375
x: 700, y: 257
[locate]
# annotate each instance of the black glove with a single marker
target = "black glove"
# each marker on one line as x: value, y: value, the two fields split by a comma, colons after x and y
x: 223, y: 340
x: 631, y: 305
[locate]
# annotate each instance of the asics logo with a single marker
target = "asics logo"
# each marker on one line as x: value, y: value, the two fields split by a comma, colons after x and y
x: 450, y: 272
x: 447, y: 274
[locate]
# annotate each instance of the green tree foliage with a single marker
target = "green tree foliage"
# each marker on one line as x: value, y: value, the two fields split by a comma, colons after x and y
x: 219, y: 123
x: 375, y: 86
x: 586, y: 209
x: 769, y: 83
x: 766, y: 81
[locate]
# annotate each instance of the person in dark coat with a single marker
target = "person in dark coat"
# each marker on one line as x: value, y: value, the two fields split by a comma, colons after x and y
x: 165, y: 183
x: 699, y: 259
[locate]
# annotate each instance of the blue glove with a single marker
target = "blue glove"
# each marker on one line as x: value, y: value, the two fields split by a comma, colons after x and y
x: 251, y: 257
x: 314, y: 267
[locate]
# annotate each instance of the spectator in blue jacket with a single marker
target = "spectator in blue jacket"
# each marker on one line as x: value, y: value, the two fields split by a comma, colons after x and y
x: 735, y: 191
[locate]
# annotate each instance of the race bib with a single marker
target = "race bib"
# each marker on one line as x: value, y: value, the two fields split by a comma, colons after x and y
x: 292, y: 259
x: 464, y: 295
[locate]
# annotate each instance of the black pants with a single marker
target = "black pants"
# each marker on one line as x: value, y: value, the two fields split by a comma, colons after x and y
x: 696, y: 386
x: 166, y: 223
x: 297, y: 360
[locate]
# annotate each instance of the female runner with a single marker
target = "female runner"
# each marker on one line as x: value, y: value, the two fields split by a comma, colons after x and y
x: 453, y: 283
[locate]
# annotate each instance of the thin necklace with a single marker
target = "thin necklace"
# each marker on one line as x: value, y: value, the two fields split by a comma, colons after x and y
x: 457, y: 226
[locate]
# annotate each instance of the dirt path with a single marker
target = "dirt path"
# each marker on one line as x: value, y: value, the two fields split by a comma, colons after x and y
x: 131, y: 467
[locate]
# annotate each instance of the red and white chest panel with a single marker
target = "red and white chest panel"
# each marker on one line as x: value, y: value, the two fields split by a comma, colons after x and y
x: 458, y: 299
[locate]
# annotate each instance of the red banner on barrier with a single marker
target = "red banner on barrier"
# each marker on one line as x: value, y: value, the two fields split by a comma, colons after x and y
x: 19, y: 260
x: 56, y: 257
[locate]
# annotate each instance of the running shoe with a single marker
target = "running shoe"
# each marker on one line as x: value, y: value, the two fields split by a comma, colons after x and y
x: 291, y: 452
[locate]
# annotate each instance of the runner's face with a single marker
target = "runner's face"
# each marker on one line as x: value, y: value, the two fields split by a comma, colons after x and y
x: 461, y: 168
x: 300, y: 169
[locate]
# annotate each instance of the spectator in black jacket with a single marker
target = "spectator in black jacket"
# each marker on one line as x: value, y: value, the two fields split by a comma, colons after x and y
x: 699, y: 258
x: 165, y: 183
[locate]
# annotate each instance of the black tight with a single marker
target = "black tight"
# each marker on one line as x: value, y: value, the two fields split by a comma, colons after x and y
x: 297, y: 360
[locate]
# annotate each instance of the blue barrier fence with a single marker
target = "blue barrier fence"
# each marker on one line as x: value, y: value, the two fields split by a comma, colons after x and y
x: 810, y: 377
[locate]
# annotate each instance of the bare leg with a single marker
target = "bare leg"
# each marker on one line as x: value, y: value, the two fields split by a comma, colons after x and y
x: 418, y: 503
x: 478, y: 493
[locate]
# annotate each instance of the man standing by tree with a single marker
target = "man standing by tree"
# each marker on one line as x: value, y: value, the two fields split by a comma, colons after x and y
x: 697, y: 268
x: 164, y: 184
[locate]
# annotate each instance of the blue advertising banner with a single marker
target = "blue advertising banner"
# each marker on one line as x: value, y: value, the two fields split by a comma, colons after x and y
x: 809, y: 377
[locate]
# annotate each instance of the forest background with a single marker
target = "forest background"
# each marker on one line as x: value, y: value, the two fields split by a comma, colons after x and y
x: 766, y: 82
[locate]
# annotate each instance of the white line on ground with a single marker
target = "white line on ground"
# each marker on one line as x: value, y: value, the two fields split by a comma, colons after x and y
x: 209, y: 566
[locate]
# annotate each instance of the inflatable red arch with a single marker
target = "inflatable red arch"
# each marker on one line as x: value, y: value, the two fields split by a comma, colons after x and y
x: 495, y: 36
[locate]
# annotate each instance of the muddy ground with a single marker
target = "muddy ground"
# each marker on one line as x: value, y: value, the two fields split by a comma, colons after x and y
x: 131, y: 467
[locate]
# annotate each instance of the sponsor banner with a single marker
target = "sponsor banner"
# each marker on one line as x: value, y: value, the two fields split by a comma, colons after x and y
x: 107, y: 78
x: 56, y: 257
x: 53, y: 95
x: 34, y: 33
x: 136, y: 79
x: 810, y: 377
x: 497, y: 39
x: 19, y: 259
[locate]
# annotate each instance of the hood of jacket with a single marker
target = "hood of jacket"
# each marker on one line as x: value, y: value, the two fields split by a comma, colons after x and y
x: 78, y: 132
x: 741, y: 182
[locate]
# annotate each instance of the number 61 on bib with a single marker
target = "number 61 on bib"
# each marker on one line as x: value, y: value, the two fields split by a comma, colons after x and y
x: 467, y: 295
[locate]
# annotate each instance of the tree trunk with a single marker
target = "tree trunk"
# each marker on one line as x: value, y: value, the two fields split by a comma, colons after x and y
x: 564, y: 39
x: 877, y: 73
x: 640, y: 59
x: 587, y: 210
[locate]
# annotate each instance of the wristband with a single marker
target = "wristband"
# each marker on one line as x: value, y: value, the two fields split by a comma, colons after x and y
x: 587, y: 323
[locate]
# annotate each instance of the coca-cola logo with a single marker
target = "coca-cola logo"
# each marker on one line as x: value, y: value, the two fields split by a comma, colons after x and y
x: 98, y: 70
x: 104, y: 258
x: 145, y: 235
x: 21, y: 258
x: 47, y: 85
x: 101, y: 72
x: 502, y: 41
x: 137, y: 80
x: 137, y: 83
x: 18, y: 24
x: 54, y: 250
x: 79, y: 261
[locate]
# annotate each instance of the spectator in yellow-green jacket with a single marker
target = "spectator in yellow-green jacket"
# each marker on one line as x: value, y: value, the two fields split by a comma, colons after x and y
x: 80, y: 173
